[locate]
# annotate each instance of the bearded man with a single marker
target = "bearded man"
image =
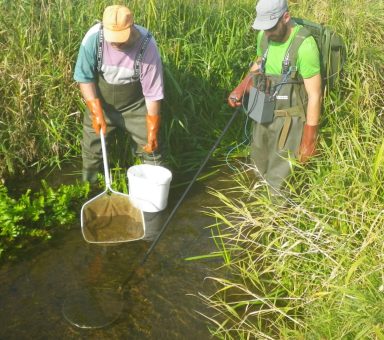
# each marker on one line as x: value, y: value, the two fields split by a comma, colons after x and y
x: 284, y: 88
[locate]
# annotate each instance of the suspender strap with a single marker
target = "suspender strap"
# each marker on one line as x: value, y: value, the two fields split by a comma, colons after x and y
x: 138, y: 59
x: 264, y: 43
x: 100, y: 48
x: 286, y: 126
x: 140, y: 55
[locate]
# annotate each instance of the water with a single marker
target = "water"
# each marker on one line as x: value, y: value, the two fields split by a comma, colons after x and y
x: 159, y: 301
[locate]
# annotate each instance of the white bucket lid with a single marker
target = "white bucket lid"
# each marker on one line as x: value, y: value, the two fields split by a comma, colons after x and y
x: 153, y: 173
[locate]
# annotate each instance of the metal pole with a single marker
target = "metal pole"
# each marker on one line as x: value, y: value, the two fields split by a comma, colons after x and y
x: 165, y: 225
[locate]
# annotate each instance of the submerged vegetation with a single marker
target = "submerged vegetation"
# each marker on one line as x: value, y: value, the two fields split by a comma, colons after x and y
x: 309, y: 266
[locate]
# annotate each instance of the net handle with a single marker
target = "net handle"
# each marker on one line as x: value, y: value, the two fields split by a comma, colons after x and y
x: 105, y: 161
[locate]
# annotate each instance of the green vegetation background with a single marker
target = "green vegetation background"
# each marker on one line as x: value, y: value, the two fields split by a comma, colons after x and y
x: 42, y: 110
x: 310, y: 267
x: 205, y: 46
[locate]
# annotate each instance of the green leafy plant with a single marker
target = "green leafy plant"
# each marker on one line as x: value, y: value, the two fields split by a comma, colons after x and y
x: 35, y: 216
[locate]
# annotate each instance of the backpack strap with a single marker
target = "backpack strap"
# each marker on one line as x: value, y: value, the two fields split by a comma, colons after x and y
x: 264, y: 48
x: 289, y: 62
x: 264, y: 43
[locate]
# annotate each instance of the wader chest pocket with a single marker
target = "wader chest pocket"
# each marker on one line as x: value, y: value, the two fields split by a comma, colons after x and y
x: 260, y: 106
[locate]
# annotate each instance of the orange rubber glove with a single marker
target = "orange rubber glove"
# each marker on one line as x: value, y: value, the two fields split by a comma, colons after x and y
x: 153, y: 125
x: 308, y: 142
x: 237, y: 94
x: 98, y: 121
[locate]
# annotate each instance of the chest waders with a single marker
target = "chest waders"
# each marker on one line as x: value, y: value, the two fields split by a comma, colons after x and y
x: 124, y: 108
x: 277, y: 135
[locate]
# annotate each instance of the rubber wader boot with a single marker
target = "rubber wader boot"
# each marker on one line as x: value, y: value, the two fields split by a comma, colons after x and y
x: 90, y: 175
x: 153, y: 158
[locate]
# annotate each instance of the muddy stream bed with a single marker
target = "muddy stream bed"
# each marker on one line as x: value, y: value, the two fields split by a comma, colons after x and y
x: 160, y: 300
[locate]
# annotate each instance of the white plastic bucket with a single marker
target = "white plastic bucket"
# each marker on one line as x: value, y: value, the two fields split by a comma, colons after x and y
x: 149, y: 186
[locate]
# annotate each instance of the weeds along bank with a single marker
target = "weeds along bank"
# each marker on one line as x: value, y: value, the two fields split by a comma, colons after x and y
x: 37, y: 216
x: 41, y: 106
x: 41, y: 110
x: 311, y: 267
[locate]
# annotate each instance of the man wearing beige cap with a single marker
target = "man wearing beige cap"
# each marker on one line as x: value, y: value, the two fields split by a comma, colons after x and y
x: 120, y: 74
x: 284, y: 93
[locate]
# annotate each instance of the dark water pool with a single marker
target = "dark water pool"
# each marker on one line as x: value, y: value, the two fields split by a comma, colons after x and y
x: 160, y: 299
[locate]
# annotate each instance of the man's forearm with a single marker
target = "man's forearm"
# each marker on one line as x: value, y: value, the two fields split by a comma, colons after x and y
x: 88, y: 90
x: 153, y: 108
x: 313, y: 88
x: 313, y: 110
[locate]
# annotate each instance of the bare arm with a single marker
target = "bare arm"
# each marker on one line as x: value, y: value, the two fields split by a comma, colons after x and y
x: 88, y: 90
x: 313, y: 88
x: 309, y: 137
x: 153, y: 108
x: 235, y: 97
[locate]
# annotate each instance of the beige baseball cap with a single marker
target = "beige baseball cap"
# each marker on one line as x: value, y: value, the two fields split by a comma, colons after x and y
x: 117, y: 23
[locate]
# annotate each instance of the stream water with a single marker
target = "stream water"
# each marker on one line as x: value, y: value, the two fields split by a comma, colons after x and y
x: 160, y: 300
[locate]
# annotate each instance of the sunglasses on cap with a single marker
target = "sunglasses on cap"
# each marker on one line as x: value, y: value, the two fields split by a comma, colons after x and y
x: 275, y: 27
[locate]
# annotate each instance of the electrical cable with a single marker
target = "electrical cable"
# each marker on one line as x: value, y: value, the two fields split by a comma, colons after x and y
x: 247, y: 137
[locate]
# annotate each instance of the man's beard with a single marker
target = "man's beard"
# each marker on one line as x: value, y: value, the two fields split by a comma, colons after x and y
x: 279, y: 36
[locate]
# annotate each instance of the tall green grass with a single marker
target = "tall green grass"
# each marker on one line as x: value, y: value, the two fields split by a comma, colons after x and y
x: 310, y: 266
x: 41, y: 105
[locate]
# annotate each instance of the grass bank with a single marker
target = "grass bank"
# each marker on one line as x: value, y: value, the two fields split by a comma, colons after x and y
x: 40, y: 120
x: 308, y: 268
x: 41, y: 107
x: 311, y: 266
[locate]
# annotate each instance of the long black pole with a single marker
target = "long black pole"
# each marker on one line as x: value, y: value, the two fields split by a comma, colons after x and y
x: 203, y: 163
x: 165, y: 225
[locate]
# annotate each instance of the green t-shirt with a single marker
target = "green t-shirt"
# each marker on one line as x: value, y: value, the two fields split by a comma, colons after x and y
x: 308, y: 57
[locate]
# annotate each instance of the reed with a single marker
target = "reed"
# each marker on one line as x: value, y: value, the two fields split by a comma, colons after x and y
x: 309, y: 266
x: 41, y: 105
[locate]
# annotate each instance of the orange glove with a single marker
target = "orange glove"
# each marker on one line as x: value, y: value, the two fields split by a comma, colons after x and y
x: 98, y: 121
x: 237, y: 94
x: 153, y: 125
x: 308, y: 143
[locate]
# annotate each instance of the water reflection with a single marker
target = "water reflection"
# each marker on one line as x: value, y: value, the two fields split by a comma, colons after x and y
x: 157, y: 298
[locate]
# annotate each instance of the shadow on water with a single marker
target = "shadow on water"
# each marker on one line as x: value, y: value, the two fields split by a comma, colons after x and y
x: 159, y: 300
